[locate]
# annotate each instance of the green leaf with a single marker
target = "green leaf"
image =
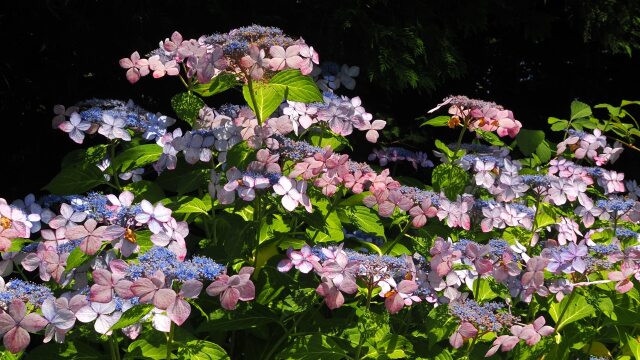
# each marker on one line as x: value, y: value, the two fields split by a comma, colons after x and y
x: 529, y: 140
x: 560, y: 125
x: 76, y: 258
x: 75, y: 180
x: 577, y: 309
x: 143, y: 239
x: 18, y: 243
x: 312, y: 347
x: 365, y: 219
x: 89, y: 156
x: 490, y: 137
x: 145, y: 189
x: 437, y: 121
x: 634, y: 345
x: 136, y: 157
x: 580, y: 110
x: 544, y: 152
x: 218, y: 84
x: 553, y: 120
x: 322, y: 138
x: 267, y: 99
x: 184, y: 178
x: 483, y: 289
x: 449, y: 178
x: 444, y: 148
x: 152, y: 345
x: 190, y: 205
x: 294, y: 86
x: 187, y: 106
x: 201, y: 350
x: 546, y: 215
x: 132, y: 316
x: 240, y: 156
x: 77, y: 350
x: 222, y: 321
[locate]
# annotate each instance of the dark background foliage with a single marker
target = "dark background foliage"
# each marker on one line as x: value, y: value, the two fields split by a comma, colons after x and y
x: 534, y: 57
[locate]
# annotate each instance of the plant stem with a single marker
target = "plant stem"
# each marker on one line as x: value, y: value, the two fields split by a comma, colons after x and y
x: 464, y: 129
x: 253, y: 99
x: 115, y: 351
x: 398, y: 238
x: 573, y: 293
x: 257, y: 220
x: 170, y: 341
x: 112, y: 149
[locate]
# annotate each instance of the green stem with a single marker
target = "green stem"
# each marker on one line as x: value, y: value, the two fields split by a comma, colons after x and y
x: 115, y: 351
x: 253, y: 99
x: 112, y: 149
x: 397, y: 238
x: 573, y: 293
x: 361, y: 341
x: 257, y: 220
x: 170, y: 341
x: 464, y: 129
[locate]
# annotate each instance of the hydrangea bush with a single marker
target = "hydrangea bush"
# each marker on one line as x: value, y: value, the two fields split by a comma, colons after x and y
x: 247, y: 231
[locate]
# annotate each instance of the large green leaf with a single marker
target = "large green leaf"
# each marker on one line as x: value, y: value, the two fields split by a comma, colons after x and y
x: 185, y: 178
x: 365, y: 219
x: 218, y: 84
x: 190, y: 205
x: 580, y: 110
x: 223, y: 321
x: 294, y: 86
x: 132, y: 316
x: 151, y: 345
x: 576, y: 309
x: 76, y: 350
x: 267, y: 99
x: 529, y: 140
x: 89, y: 156
x: 201, y: 350
x: 437, y: 121
x: 187, y: 106
x: 75, y: 180
x: 449, y: 178
x: 136, y: 157
x: 312, y: 347
x: 145, y: 189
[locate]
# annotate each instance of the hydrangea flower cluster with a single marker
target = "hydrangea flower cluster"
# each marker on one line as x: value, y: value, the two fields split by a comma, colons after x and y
x: 160, y: 276
x: 113, y: 119
x: 482, y: 115
x: 254, y: 52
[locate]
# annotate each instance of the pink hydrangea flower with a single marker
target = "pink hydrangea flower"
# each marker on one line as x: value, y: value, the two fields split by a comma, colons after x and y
x: 293, y: 193
x: 160, y: 69
x: 233, y: 288
x: 153, y: 216
x: 16, y: 324
x: 136, y: 67
x: 303, y: 260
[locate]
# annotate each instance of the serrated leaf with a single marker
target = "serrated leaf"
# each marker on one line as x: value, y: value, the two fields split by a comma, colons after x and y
x: 267, y: 100
x: 132, y: 316
x: 544, y: 152
x: 437, y: 121
x: 187, y: 106
x: 76, y: 258
x: 294, y: 86
x: 580, y: 110
x: 75, y: 180
x: 136, y: 157
x: 218, y: 84
x: 190, y: 205
x: 529, y: 140
x: 366, y: 219
x: 577, y: 309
